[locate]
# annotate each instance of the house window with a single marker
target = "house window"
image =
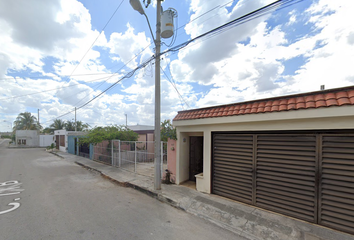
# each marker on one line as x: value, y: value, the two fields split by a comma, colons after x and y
x: 23, y: 142
x: 19, y: 142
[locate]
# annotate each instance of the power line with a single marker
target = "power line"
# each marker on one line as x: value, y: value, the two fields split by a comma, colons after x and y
x: 49, y: 90
x: 97, y: 37
x: 175, y: 87
x: 245, y: 18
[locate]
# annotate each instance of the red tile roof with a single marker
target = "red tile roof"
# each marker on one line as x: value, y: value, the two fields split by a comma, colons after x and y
x: 319, y: 99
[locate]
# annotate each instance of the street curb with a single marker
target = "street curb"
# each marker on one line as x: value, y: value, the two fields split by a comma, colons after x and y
x: 146, y: 191
x: 54, y: 153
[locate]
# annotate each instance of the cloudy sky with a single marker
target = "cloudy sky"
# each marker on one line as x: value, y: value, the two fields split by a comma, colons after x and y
x: 57, y: 55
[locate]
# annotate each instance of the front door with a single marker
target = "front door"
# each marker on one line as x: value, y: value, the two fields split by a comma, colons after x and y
x: 195, y: 157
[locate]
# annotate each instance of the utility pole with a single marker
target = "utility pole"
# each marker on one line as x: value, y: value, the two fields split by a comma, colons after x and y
x: 38, y: 117
x: 75, y: 120
x: 126, y: 120
x: 137, y: 6
x: 157, y: 99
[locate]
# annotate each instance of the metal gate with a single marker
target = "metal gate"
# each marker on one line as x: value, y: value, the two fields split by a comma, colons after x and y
x: 307, y: 176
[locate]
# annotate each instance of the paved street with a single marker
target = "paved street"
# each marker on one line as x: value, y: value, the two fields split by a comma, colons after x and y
x: 45, y: 197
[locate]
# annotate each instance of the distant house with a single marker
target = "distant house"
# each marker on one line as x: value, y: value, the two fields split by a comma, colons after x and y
x: 292, y: 154
x: 28, y: 138
x: 146, y: 134
x: 66, y: 141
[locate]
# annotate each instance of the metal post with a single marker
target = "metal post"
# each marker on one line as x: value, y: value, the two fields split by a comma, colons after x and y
x: 112, y: 153
x: 119, y: 153
x: 135, y: 158
x: 161, y: 159
x: 77, y: 146
x: 157, y: 98
x: 75, y: 120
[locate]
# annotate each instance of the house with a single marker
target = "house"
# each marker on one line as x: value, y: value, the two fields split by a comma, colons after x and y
x: 146, y: 134
x: 66, y: 141
x: 292, y: 155
x: 28, y: 138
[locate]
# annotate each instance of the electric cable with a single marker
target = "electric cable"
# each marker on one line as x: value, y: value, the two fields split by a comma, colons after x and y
x: 240, y: 20
x: 97, y: 37
x: 175, y: 87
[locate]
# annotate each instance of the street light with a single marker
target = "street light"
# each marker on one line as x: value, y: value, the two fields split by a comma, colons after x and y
x: 137, y: 6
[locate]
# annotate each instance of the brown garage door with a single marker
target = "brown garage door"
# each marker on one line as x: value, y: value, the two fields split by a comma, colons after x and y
x: 286, y: 174
x: 233, y: 163
x: 307, y: 176
x: 337, y: 182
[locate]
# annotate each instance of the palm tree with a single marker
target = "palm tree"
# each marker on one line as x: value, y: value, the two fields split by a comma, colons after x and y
x: 26, y: 121
x: 80, y: 126
x: 58, y: 124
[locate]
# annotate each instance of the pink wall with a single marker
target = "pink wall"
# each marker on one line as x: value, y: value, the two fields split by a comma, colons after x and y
x: 150, y: 139
x: 171, y: 158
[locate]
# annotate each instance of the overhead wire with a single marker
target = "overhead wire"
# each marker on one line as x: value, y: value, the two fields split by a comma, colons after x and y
x: 240, y: 20
x: 97, y: 36
x: 175, y: 87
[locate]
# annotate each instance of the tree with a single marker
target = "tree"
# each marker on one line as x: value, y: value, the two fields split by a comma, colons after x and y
x: 26, y: 121
x: 58, y: 124
x: 167, y: 131
x: 99, y: 134
x: 80, y: 126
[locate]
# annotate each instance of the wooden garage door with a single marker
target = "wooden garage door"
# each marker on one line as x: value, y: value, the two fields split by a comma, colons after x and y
x: 233, y: 166
x: 336, y: 204
x: 286, y: 174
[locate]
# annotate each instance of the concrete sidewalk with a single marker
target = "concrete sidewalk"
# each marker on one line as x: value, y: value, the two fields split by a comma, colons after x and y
x: 246, y: 221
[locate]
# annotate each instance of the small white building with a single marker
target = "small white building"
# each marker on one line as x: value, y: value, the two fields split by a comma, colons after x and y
x: 29, y: 138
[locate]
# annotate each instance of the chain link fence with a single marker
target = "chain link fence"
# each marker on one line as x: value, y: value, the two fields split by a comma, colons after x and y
x: 134, y: 156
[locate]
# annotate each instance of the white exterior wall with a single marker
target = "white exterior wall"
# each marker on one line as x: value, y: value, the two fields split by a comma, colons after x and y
x: 308, y: 119
x: 31, y: 136
x: 46, y: 140
x: 62, y: 132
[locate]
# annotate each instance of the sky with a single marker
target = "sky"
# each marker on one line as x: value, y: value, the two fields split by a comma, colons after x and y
x: 60, y: 54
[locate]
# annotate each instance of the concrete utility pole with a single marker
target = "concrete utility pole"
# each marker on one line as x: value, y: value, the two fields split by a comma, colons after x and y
x: 126, y: 120
x: 38, y: 117
x: 75, y: 120
x: 157, y: 99
x: 137, y: 6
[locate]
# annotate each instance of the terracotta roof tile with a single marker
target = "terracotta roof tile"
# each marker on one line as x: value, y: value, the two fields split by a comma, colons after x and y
x: 291, y: 100
x: 300, y: 100
x: 283, y: 107
x: 330, y: 96
x: 310, y: 104
x: 320, y: 103
x: 343, y: 101
x: 268, y: 109
x: 320, y: 99
x: 351, y: 100
x: 300, y: 105
x: 309, y: 98
x: 331, y: 102
x: 260, y: 109
x: 275, y: 108
x: 261, y: 104
x: 351, y: 93
x: 341, y: 95
x: 291, y: 106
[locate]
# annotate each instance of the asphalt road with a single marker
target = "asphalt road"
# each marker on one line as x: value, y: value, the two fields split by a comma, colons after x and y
x: 45, y: 197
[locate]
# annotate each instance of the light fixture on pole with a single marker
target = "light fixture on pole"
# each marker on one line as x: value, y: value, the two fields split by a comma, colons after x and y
x: 137, y: 6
